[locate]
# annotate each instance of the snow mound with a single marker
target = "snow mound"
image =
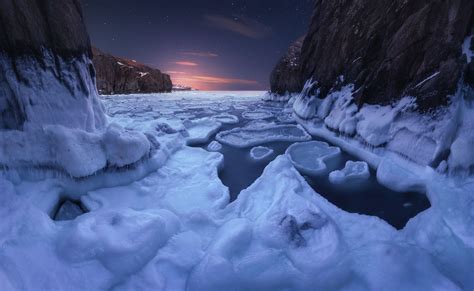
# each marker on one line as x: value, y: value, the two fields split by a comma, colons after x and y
x: 123, y: 242
x: 74, y: 151
x: 311, y: 157
x: 201, y: 130
x: 353, y: 171
x: 257, y: 114
x: 246, y: 137
x: 260, y: 153
x: 226, y: 118
x: 214, y: 146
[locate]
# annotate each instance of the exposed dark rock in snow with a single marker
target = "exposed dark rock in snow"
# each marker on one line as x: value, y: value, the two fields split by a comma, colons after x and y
x: 388, y: 49
x: 69, y: 210
x: 121, y: 76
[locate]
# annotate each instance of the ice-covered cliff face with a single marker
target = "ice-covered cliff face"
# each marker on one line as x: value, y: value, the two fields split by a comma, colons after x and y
x: 50, y: 113
x: 121, y: 76
x: 46, y: 73
x: 387, y: 49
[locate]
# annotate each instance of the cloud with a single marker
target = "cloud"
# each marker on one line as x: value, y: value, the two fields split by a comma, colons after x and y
x: 186, y: 63
x: 241, y: 25
x: 200, y: 54
x: 175, y: 72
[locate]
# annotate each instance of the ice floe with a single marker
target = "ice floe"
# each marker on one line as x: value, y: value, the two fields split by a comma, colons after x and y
x: 257, y: 114
x: 246, y: 137
x: 200, y: 130
x: 353, y: 171
x: 260, y: 153
x: 311, y: 157
x: 226, y: 118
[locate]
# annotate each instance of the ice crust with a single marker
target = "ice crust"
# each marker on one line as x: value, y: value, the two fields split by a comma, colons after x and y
x: 352, y: 172
x: 311, y: 157
x: 166, y: 222
x: 257, y: 114
x: 252, y: 136
x: 429, y: 139
x: 260, y: 153
x: 201, y: 130
x: 214, y: 146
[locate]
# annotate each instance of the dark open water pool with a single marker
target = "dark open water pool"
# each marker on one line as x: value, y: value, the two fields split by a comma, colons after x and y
x: 367, y: 197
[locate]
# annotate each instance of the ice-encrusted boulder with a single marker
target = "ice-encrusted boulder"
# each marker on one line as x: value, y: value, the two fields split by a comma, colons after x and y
x: 46, y: 76
x: 50, y: 113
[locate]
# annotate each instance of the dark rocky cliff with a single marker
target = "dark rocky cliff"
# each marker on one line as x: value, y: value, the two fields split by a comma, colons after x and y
x: 28, y: 26
x: 387, y: 48
x: 121, y: 76
x: 285, y: 76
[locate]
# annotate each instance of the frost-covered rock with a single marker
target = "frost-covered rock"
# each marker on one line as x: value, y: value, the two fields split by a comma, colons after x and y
x: 68, y: 211
x: 260, y: 153
x: 353, y: 171
x: 304, y: 105
x: 214, y: 146
x: 311, y: 157
x: 251, y: 136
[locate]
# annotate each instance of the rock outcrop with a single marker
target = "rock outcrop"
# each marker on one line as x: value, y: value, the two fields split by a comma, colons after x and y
x: 386, y: 48
x: 121, y: 76
x: 46, y: 74
x: 285, y: 76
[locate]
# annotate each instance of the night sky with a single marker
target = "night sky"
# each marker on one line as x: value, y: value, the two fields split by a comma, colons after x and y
x: 206, y: 44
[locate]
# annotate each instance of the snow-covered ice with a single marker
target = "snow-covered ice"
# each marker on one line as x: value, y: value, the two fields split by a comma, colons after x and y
x: 165, y: 221
x: 260, y: 153
x: 200, y: 130
x: 246, y: 137
x: 311, y: 157
x: 226, y: 118
x: 257, y: 114
x: 214, y: 146
x: 353, y: 171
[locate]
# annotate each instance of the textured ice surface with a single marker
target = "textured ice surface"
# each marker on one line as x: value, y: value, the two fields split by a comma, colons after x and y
x: 172, y: 228
x: 311, y: 157
x: 259, y: 153
x: 214, y: 146
x: 226, y: 118
x: 305, y: 104
x: 200, y: 130
x: 353, y: 171
x: 257, y: 114
x: 246, y: 137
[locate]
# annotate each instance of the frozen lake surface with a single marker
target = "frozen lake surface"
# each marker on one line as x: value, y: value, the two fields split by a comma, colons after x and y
x: 169, y: 197
x: 240, y: 170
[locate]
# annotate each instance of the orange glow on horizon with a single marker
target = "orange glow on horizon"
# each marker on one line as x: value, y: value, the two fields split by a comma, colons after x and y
x: 207, y: 83
x: 186, y: 63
